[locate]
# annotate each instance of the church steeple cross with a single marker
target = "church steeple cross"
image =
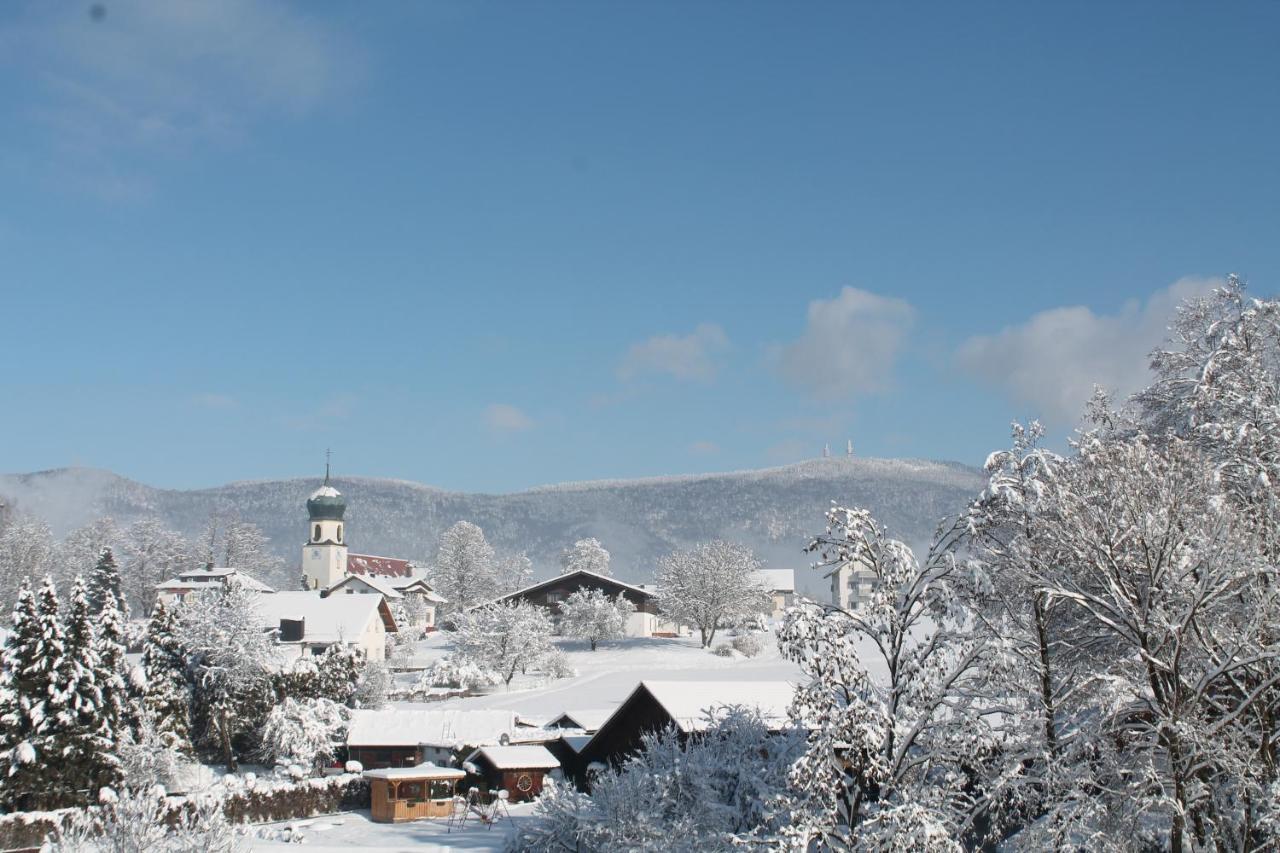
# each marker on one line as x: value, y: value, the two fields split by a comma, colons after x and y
x: 327, y: 453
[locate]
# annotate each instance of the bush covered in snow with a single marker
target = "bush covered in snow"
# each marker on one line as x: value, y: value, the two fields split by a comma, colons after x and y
x: 724, y: 650
x: 304, y: 732
x: 747, y: 645
x: 709, y: 794
x: 556, y: 664
x: 458, y: 672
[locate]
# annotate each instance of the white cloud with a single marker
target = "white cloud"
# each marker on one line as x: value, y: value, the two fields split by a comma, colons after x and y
x: 1053, y: 360
x: 502, y: 417
x: 689, y: 357
x: 849, y: 344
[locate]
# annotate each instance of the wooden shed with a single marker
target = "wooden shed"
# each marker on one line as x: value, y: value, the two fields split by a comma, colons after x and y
x: 399, y: 794
x: 518, y: 770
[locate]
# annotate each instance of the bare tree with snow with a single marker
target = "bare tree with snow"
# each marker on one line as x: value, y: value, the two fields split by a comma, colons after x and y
x: 585, y: 555
x: 593, y: 616
x: 506, y: 637
x: 464, y: 571
x: 712, y: 585
x: 151, y: 553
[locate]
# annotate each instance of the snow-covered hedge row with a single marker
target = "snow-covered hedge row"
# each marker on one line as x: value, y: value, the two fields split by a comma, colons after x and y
x: 244, y: 800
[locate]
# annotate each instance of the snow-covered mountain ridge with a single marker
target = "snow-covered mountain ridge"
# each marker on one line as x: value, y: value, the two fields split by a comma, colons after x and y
x: 773, y: 510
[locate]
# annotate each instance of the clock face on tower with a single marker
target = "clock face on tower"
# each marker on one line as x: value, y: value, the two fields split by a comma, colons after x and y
x: 315, y: 552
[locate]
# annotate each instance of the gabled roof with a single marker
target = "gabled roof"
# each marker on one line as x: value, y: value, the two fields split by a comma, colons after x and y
x: 517, y: 757
x: 205, y: 578
x: 777, y: 580
x: 445, y: 727
x: 368, y: 564
x: 589, y: 720
x: 416, y: 583
x: 327, y: 619
x: 377, y: 584
x: 421, y: 771
x: 581, y: 572
x: 687, y: 702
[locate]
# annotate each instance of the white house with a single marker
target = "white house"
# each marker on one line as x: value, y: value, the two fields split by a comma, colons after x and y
x: 210, y: 577
x: 411, y: 598
x: 852, y: 585
x: 781, y: 586
x: 313, y: 622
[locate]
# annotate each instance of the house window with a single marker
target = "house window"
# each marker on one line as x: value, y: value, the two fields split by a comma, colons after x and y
x: 410, y: 791
x: 441, y: 789
x: 555, y: 597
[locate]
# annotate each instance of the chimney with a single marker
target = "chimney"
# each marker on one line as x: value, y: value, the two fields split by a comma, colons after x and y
x: 292, y: 630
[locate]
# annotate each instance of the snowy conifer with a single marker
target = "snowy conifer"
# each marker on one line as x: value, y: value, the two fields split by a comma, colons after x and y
x: 168, y: 687
x: 26, y: 676
x: 593, y: 616
x: 84, y: 737
x: 338, y: 673
x: 104, y: 583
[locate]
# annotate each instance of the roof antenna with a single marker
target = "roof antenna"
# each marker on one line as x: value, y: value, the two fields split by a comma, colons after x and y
x: 327, y: 452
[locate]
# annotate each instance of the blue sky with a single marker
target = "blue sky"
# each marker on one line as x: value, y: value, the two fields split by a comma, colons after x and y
x: 491, y: 245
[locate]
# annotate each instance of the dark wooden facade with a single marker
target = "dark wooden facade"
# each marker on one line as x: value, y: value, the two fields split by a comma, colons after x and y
x: 378, y: 757
x: 521, y: 784
x: 622, y: 734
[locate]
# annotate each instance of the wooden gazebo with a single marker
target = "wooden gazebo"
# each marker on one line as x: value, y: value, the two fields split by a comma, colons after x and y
x: 408, y: 793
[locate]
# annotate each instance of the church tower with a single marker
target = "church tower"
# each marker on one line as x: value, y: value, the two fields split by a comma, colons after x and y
x: 324, y: 557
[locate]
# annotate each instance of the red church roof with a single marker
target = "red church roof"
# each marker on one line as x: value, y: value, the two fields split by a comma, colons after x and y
x: 386, y: 567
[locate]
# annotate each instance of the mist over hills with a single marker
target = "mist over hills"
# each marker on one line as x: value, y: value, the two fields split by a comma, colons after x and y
x: 773, y: 510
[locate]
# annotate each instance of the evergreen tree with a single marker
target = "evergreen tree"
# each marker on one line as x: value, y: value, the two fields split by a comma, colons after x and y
x: 113, y: 670
x: 339, y: 673
x: 26, y: 675
x: 84, y: 737
x: 104, y: 583
x: 167, y: 700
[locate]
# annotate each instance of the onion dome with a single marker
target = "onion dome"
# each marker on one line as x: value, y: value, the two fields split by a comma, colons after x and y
x: 326, y: 504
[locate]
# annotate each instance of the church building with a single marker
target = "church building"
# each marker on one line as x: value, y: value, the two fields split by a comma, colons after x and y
x: 328, y: 566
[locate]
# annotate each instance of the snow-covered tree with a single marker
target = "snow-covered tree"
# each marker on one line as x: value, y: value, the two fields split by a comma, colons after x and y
x: 720, y: 791
x: 894, y: 702
x: 26, y: 553
x: 513, y: 571
x: 79, y: 551
x: 151, y: 553
x: 593, y: 616
x: 458, y: 672
x: 168, y: 695
x: 374, y: 686
x: 464, y: 571
x: 339, y: 672
x: 104, y: 584
x: 230, y: 655
x: 710, y: 586
x: 27, y: 678
x: 246, y: 547
x: 585, y: 555
x: 304, y: 732
x: 507, y: 637
x: 84, y: 734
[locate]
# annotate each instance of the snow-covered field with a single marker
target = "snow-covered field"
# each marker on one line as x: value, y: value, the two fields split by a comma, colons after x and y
x: 606, y: 676
x: 354, y: 831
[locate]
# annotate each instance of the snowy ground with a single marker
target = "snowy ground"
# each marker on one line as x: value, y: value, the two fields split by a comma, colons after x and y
x: 606, y: 676
x: 355, y: 831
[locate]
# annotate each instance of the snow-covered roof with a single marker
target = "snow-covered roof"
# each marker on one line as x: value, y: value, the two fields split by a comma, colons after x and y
x: 777, y: 580
x: 325, y: 492
x: 370, y: 564
x: 421, y: 771
x: 374, y: 582
x: 688, y: 701
x: 549, y: 581
x: 415, y: 583
x: 445, y: 727
x: 204, y: 578
x: 327, y: 620
x: 589, y: 719
x: 517, y: 757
